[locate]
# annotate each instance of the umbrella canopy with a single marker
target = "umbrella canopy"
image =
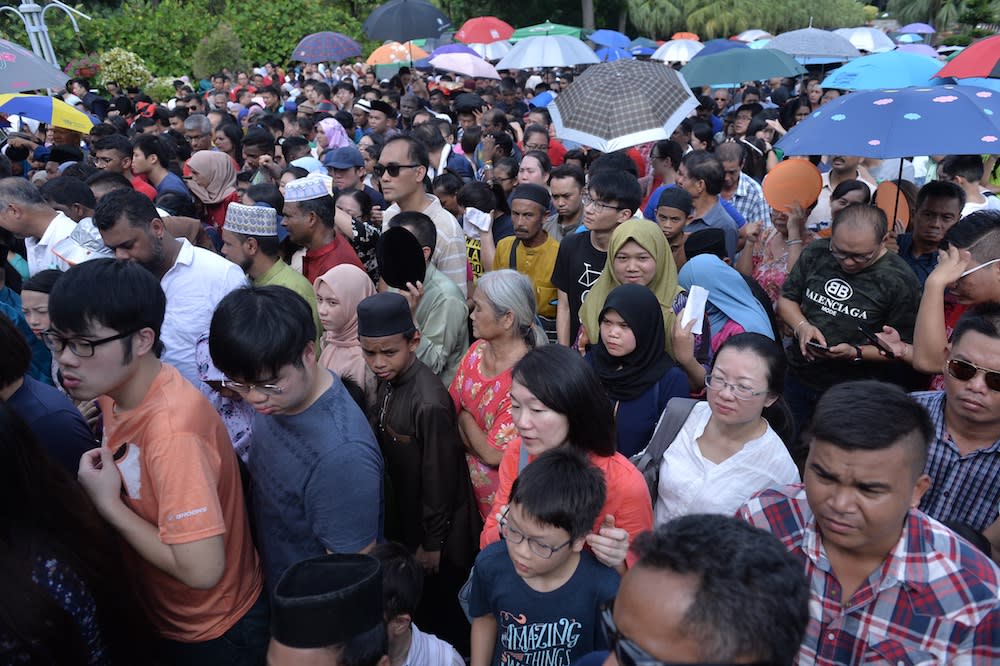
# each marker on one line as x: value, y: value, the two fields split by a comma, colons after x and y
x: 483, y: 30
x: 609, y: 54
x: 736, y: 66
x: 685, y: 35
x: 395, y: 53
x: 867, y: 39
x: 326, y: 47
x: 678, y: 50
x: 546, y: 29
x: 645, y: 42
x: 894, y: 69
x: 493, y: 51
x: 453, y: 48
x: 714, y: 46
x: 897, y: 123
x: 760, y: 43
x: 909, y: 38
x: 20, y: 69
x: 918, y: 29
x: 48, y: 110
x: 402, y: 20
x: 753, y: 35
x: 466, y: 65
x: 551, y: 51
x: 641, y: 50
x: 816, y: 46
x: 612, y: 38
x: 919, y: 49
x: 595, y: 112
x: 981, y: 59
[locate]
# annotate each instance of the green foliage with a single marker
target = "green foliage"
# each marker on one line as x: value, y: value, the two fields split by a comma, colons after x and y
x: 942, y: 14
x: 221, y: 49
x: 161, y: 89
x: 871, y: 13
x: 957, y: 40
x: 123, y: 67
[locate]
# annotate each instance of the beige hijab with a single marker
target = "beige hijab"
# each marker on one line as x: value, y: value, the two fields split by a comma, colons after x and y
x: 341, y: 348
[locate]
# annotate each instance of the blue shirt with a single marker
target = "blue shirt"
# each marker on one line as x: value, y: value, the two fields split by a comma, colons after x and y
x: 56, y: 422
x: 172, y: 183
x: 922, y: 265
x: 649, y: 212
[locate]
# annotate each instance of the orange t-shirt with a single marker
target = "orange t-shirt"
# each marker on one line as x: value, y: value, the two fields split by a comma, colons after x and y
x: 179, y: 472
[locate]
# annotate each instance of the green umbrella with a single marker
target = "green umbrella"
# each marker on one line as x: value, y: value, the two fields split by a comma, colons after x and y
x: 735, y: 66
x: 547, y: 28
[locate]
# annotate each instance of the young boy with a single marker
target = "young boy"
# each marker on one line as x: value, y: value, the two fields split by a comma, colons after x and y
x: 415, y: 424
x: 673, y: 212
x: 536, y: 596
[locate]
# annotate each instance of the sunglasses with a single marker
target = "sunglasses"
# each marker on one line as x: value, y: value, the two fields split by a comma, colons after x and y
x: 391, y: 169
x: 964, y: 371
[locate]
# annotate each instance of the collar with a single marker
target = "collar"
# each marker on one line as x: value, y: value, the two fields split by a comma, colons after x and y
x: 742, y: 186
x: 326, y: 249
x: 56, y: 225
x: 406, y: 376
x: 269, y: 275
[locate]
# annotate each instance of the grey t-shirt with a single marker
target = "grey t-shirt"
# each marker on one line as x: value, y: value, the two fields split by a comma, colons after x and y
x: 317, y: 482
x: 718, y: 218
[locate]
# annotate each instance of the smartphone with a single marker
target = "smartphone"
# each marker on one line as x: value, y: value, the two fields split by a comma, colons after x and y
x: 816, y: 345
x: 872, y: 338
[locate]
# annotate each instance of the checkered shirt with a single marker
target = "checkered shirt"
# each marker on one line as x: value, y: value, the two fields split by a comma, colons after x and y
x: 933, y: 601
x: 749, y: 200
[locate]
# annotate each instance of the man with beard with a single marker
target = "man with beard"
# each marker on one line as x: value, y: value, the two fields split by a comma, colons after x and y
x: 193, y: 278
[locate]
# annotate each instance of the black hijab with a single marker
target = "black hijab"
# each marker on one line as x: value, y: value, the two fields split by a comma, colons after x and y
x: 628, y: 377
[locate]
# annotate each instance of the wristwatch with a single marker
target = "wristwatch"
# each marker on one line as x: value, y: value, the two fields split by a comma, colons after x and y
x: 858, y: 355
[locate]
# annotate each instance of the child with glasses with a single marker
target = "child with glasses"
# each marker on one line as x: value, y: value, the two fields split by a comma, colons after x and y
x: 536, y: 596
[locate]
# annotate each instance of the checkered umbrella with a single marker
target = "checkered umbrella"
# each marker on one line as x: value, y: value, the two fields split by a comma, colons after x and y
x: 326, y: 47
x: 620, y: 104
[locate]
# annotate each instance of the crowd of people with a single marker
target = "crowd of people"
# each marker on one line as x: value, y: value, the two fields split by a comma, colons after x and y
x: 323, y: 369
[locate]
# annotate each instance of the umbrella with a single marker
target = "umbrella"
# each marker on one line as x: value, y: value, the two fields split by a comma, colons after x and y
x: 678, y: 50
x: 594, y: 111
x: 546, y: 29
x: 753, y: 35
x: 612, y: 38
x: 483, y: 30
x: 685, y: 35
x: 645, y: 42
x: 395, y: 53
x: 609, y: 54
x: 918, y: 28
x: 981, y: 59
x: 466, y: 65
x: 760, y: 43
x: 20, y: 69
x: 894, y: 69
x: 453, y: 48
x: 493, y: 51
x: 714, y: 46
x: 551, y: 51
x: 897, y: 123
x: 326, y: 47
x: 641, y: 50
x: 867, y: 39
x: 950, y: 50
x: 816, y: 46
x: 404, y: 20
x: 48, y: 110
x: 919, y: 49
x: 909, y: 38
x: 736, y: 66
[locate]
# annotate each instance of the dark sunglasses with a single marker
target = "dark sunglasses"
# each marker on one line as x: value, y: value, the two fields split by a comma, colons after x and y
x: 964, y: 371
x: 391, y: 169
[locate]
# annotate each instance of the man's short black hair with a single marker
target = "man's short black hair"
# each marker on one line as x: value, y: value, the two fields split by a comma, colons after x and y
x: 969, y: 167
x: 983, y: 319
x: 616, y: 161
x: 115, y: 142
x: 323, y: 207
x: 704, y: 166
x: 562, y: 488
x: 273, y: 90
x: 67, y: 191
x: 267, y: 193
x: 260, y: 138
x: 16, y: 358
x: 402, y: 579
x: 979, y: 233
x: 899, y: 416
x: 134, y: 207
x: 294, y: 147
x: 256, y: 331
x: 429, y: 135
x: 322, y: 89
x: 940, y: 189
x: 417, y: 152
x: 569, y: 171
x: 121, y: 295
x: 752, y: 601
x: 152, y: 144
x: 110, y: 181
x: 419, y: 225
x: 618, y: 187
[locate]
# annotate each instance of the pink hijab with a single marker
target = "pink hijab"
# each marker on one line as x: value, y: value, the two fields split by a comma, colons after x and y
x: 336, y: 135
x: 341, y: 348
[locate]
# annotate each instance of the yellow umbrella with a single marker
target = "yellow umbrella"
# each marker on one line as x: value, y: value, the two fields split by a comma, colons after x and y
x: 395, y: 53
x: 49, y: 110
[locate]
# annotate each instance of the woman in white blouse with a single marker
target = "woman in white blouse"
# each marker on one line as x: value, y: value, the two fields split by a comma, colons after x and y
x: 727, y: 449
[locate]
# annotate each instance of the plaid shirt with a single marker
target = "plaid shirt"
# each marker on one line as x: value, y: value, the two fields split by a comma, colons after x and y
x: 749, y: 200
x: 964, y: 488
x: 933, y: 601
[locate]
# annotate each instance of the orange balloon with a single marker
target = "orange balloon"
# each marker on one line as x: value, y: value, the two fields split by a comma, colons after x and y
x: 893, y: 203
x: 791, y: 181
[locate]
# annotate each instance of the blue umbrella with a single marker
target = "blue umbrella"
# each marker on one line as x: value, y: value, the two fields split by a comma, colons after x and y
x: 714, y: 46
x: 897, y: 123
x: 895, y: 69
x: 453, y: 48
x: 612, y: 38
x: 641, y: 50
x: 608, y: 54
x: 326, y: 47
x: 909, y: 38
x: 918, y: 28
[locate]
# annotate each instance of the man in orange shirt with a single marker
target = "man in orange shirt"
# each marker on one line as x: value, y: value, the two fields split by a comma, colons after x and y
x: 166, y: 477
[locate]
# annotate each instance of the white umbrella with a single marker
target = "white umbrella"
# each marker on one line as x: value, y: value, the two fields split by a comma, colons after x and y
x: 814, y: 46
x: 677, y: 50
x: 867, y: 39
x: 548, y: 51
x: 753, y: 35
x: 493, y: 50
x: 465, y: 64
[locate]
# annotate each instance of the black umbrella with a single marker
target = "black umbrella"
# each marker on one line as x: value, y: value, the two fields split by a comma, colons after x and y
x: 403, y: 20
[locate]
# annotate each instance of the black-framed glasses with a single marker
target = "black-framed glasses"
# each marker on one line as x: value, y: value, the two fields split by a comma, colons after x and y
x: 243, y: 388
x: 79, y: 346
x: 391, y: 169
x: 516, y: 536
x: 542, y: 147
x: 853, y: 256
x: 586, y: 200
x: 964, y: 371
x: 739, y: 391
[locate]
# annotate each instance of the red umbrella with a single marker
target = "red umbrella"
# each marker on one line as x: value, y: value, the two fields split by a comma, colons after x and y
x: 484, y: 30
x: 981, y: 60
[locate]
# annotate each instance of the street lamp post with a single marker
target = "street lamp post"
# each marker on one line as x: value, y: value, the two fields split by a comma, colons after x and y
x: 33, y: 17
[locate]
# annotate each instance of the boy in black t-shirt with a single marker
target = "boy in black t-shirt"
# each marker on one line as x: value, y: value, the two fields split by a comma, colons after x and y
x: 536, y: 596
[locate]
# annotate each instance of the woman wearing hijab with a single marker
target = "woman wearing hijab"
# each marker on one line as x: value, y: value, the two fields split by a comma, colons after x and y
x: 637, y: 374
x: 213, y: 183
x: 331, y: 135
x: 338, y: 292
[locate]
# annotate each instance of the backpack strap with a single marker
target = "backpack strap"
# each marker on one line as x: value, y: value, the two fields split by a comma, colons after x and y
x: 671, y: 421
x: 512, y: 261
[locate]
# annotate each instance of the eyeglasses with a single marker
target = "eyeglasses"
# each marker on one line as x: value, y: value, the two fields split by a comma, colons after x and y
x: 79, y: 346
x: 391, y: 169
x: 964, y: 371
x: 243, y: 389
x: 976, y: 268
x: 516, y: 536
x: 852, y: 256
x: 543, y: 147
x: 739, y: 391
x: 586, y: 200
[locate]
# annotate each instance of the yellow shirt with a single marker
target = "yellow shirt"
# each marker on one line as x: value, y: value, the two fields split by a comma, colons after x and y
x: 537, y: 263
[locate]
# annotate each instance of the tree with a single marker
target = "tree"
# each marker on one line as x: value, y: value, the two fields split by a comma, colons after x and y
x: 939, y: 13
x: 219, y: 50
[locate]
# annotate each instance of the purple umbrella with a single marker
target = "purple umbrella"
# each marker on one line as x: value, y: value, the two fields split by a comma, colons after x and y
x: 326, y: 47
x: 919, y: 49
x: 454, y: 48
x: 917, y: 28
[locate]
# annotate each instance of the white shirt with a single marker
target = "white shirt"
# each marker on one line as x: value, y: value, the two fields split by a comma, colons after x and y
x: 429, y: 650
x: 691, y: 483
x: 40, y: 256
x: 992, y: 202
x: 194, y: 285
x: 821, y: 217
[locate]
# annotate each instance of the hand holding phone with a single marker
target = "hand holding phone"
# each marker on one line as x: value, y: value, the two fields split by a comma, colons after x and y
x: 872, y: 338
